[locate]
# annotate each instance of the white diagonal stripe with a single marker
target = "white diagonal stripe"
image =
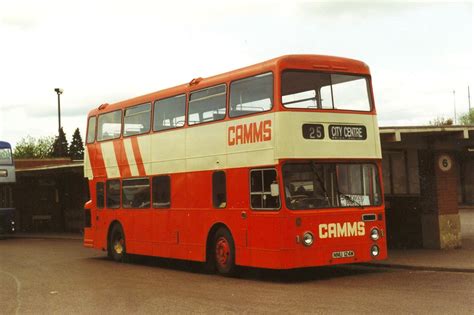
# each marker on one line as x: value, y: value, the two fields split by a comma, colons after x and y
x: 87, y: 165
x: 130, y: 157
x: 110, y: 160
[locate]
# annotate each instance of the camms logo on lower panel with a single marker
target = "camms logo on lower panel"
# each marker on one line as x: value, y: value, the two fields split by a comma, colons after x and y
x: 346, y: 229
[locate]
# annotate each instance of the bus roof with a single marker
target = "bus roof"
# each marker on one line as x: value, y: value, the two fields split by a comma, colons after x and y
x: 5, y: 145
x: 313, y: 62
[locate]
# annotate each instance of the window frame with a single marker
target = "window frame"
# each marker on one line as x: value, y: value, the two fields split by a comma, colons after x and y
x: 95, y: 129
x: 337, y: 191
x: 153, y: 192
x: 246, y: 78
x: 122, y: 193
x: 185, y: 95
x: 213, y: 192
x: 124, y: 112
x: 107, y: 194
x: 121, y: 126
x: 226, y: 97
x: 368, y: 81
x: 97, y: 195
x: 263, y: 189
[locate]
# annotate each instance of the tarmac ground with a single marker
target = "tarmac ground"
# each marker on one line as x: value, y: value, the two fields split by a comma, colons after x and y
x: 455, y: 260
x: 60, y: 276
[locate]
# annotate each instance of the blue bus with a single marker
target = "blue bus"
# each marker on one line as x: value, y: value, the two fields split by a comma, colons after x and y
x: 7, y: 179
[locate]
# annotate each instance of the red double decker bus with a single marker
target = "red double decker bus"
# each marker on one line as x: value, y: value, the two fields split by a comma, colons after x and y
x: 276, y: 165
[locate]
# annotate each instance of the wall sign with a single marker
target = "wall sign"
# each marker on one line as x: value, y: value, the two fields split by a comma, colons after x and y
x: 445, y: 162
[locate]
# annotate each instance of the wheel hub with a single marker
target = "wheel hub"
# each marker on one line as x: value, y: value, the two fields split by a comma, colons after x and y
x: 118, y: 246
x: 222, y: 251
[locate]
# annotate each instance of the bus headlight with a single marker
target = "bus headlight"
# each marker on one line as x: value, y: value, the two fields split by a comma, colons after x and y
x: 374, y: 251
x: 374, y: 234
x: 308, y: 239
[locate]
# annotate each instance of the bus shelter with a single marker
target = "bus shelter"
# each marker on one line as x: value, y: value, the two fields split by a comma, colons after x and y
x: 428, y: 178
x: 49, y: 195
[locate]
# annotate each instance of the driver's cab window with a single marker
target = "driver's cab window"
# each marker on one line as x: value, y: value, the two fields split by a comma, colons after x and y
x: 260, y: 189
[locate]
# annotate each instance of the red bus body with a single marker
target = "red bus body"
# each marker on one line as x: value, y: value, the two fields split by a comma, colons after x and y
x: 270, y: 140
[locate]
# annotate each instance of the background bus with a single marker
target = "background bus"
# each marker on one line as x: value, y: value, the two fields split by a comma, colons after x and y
x: 7, y: 179
x: 277, y: 165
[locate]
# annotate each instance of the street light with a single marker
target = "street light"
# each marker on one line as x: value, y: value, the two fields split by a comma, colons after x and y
x: 59, y: 92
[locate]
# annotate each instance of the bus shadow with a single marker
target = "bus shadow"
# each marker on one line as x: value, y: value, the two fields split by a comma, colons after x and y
x: 306, y: 274
x: 256, y: 274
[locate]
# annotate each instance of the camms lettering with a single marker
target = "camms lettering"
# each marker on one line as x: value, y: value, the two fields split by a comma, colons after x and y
x: 250, y: 133
x: 346, y: 229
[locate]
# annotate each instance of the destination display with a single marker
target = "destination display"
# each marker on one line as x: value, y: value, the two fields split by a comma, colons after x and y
x: 313, y: 131
x: 347, y: 132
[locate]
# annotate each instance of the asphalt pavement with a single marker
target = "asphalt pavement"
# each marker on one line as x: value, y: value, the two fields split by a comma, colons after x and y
x: 60, y: 276
x: 455, y: 260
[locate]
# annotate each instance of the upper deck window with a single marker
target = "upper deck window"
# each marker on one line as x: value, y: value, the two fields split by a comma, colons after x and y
x: 317, y: 90
x: 6, y: 156
x: 136, y: 120
x: 91, y: 129
x: 110, y: 125
x: 207, y: 105
x: 169, y: 113
x: 251, y: 95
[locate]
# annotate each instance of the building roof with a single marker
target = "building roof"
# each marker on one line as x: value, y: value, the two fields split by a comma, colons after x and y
x: 26, y: 165
x: 394, y: 134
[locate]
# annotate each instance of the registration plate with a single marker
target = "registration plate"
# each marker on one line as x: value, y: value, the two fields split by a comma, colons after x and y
x: 343, y: 254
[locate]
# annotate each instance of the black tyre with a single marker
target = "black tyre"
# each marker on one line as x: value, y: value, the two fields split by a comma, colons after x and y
x: 116, y: 247
x: 224, y: 252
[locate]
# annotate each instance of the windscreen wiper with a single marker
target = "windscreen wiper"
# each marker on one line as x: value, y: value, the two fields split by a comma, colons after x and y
x: 350, y: 199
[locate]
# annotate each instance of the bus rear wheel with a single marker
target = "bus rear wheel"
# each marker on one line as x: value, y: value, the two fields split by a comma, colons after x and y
x: 116, y: 247
x: 224, y: 252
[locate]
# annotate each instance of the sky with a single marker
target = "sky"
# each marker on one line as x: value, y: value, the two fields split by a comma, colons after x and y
x: 104, y: 51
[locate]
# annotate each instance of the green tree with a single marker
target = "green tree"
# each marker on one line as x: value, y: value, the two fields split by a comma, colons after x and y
x: 31, y: 148
x: 441, y: 121
x: 467, y: 118
x: 60, y: 145
x: 76, y: 149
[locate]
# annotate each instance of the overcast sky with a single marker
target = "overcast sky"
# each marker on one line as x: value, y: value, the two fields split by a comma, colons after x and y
x: 104, y: 51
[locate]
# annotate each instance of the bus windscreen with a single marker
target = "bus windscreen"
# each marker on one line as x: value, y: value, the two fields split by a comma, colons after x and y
x: 314, y: 185
x: 318, y: 90
x: 6, y: 156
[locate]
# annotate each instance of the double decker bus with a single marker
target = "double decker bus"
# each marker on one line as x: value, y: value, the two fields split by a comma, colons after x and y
x: 7, y: 179
x: 276, y: 165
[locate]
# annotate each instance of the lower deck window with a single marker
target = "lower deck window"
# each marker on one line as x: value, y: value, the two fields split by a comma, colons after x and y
x: 219, y: 198
x: 99, y: 187
x: 161, y: 192
x: 136, y: 193
x: 113, y: 194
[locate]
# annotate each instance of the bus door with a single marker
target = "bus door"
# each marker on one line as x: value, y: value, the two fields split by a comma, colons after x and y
x: 161, y: 202
x: 97, y: 216
x: 136, y: 202
x: 263, y: 220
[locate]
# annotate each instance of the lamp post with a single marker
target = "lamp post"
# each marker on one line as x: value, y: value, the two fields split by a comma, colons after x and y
x: 59, y: 92
x: 454, y: 102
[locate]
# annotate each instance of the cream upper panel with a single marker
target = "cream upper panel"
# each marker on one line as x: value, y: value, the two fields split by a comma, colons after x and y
x: 290, y: 142
x: 245, y: 142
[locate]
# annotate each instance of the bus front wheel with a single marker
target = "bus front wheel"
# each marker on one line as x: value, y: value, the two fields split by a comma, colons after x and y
x: 224, y: 252
x: 116, y: 248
